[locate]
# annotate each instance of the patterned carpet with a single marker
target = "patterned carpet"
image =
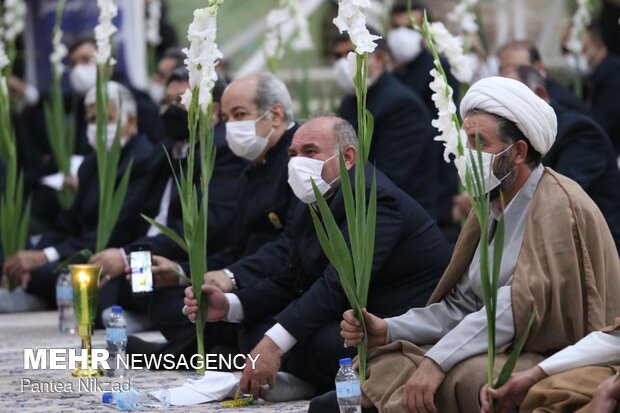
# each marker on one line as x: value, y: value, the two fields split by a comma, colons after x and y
x: 40, y: 330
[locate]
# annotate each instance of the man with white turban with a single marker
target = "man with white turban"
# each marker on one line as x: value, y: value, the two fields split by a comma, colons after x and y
x: 558, y: 257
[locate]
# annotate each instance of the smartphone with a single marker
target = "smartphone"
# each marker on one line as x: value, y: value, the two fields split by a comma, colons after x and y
x: 141, y: 274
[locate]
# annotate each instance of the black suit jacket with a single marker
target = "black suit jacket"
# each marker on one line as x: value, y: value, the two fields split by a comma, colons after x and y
x: 265, y: 205
x: 410, y: 256
x: 416, y: 76
x: 77, y: 228
x: 583, y: 152
x: 563, y: 96
x: 222, y: 201
x: 605, y: 84
x: 402, y: 143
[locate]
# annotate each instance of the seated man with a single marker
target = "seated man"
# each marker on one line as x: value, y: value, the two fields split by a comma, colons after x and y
x: 78, y: 227
x: 294, y: 315
x: 576, y: 376
x: 158, y: 198
x: 558, y: 257
x: 582, y: 151
x: 258, y: 115
x: 402, y: 142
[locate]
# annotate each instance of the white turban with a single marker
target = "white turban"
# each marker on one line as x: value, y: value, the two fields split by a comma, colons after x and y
x: 514, y: 101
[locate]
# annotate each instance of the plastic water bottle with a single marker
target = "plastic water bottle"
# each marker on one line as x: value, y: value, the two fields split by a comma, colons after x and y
x: 138, y: 400
x: 67, y: 324
x: 348, y: 388
x: 116, y: 341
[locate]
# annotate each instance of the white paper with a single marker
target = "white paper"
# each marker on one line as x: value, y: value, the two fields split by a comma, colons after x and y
x: 213, y: 386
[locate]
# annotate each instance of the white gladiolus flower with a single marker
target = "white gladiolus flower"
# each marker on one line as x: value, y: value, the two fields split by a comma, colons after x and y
x: 59, y: 52
x: 4, y: 59
x: 14, y: 18
x: 463, y: 14
x: 580, y: 20
x: 104, y: 31
x: 448, y: 133
x: 152, y: 22
x: 351, y: 19
x: 452, y: 47
x: 202, y: 55
x: 288, y: 18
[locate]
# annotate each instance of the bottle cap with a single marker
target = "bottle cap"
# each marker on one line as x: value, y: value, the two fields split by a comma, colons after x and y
x: 346, y: 361
x: 117, y: 309
x: 106, y: 398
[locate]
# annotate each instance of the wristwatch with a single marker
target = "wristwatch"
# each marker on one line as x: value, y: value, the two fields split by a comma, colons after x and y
x: 230, y: 275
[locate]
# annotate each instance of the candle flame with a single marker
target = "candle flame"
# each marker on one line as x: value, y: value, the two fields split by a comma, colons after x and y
x: 83, y: 278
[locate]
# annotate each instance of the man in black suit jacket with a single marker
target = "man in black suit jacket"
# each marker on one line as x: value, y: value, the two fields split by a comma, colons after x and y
x: 78, y: 226
x: 300, y: 307
x: 158, y: 198
x: 582, y: 151
x: 402, y: 144
x: 603, y: 84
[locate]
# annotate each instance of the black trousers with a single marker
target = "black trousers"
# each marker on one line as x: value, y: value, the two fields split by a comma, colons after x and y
x: 315, y: 361
x: 328, y: 403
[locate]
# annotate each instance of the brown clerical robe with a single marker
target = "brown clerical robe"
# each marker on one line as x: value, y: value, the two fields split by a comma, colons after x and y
x: 570, y: 391
x: 568, y: 268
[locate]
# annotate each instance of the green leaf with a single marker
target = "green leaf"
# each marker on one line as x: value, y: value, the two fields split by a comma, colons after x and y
x: 508, y: 368
x: 167, y: 232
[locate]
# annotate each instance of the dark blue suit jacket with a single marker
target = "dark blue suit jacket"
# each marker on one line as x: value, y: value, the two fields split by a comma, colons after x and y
x: 416, y: 76
x: 402, y: 142
x: 223, y: 188
x: 583, y: 152
x: 77, y: 228
x: 410, y: 257
x: 265, y: 204
x: 605, y: 84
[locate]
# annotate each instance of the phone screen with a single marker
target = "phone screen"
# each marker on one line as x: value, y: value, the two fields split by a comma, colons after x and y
x: 141, y: 275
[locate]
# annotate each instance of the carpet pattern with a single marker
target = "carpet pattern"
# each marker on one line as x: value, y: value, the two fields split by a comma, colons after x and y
x: 40, y: 330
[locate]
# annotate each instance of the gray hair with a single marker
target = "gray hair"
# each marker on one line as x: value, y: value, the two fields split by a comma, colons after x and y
x: 344, y: 134
x: 530, y: 77
x: 119, y: 96
x: 272, y: 91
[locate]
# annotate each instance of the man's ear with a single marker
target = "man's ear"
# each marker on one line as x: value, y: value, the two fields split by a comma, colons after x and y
x: 277, y: 115
x: 216, y: 116
x: 522, y: 148
x: 350, y: 156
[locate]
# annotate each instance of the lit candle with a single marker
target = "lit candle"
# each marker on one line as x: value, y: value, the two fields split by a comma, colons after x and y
x: 84, y: 297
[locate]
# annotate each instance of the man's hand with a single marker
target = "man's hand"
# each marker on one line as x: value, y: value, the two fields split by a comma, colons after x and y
x: 164, y: 272
x: 606, y: 396
x: 353, y: 333
x: 112, y: 265
x: 219, y: 279
x: 19, y: 265
x: 266, y: 368
x: 420, y: 389
x: 511, y: 394
x: 218, y: 304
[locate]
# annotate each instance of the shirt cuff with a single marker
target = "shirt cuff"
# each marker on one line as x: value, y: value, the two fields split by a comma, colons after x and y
x: 182, y: 281
x: 281, y: 337
x: 51, y: 254
x: 235, y: 309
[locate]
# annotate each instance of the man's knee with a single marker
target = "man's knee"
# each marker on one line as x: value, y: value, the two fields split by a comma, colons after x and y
x: 325, y: 403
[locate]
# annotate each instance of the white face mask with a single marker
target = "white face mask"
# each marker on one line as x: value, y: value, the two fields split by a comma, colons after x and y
x: 301, y: 172
x: 157, y: 91
x: 405, y: 44
x: 574, y: 63
x: 83, y: 78
x: 91, y: 135
x: 243, y: 140
x: 490, y: 180
x: 341, y: 74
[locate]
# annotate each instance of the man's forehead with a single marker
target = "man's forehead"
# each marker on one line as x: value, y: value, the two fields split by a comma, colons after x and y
x: 316, y: 133
x: 240, y: 92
